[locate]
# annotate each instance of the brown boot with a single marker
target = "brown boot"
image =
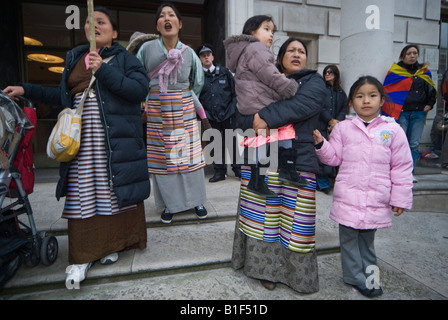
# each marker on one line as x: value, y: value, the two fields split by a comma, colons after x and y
x: 268, y: 284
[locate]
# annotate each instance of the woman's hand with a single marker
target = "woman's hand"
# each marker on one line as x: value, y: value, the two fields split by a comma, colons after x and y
x: 427, y: 108
x: 260, y: 126
x: 317, y: 137
x: 95, y: 61
x: 398, y: 211
x: 332, y: 123
x: 14, y: 91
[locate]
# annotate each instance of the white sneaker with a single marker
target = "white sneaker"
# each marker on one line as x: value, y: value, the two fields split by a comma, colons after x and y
x: 414, y: 179
x: 78, y: 272
x: 109, y: 259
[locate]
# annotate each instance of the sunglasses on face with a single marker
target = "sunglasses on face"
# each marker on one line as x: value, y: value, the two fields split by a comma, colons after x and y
x: 329, y: 72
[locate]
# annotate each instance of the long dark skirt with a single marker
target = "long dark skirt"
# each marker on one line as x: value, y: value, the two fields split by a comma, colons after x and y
x: 94, y: 238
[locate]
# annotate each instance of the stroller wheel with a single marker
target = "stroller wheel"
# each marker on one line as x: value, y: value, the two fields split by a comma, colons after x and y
x: 49, y: 250
x: 32, y: 258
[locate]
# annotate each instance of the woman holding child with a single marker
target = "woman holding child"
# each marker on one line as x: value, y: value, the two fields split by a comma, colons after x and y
x: 275, y: 237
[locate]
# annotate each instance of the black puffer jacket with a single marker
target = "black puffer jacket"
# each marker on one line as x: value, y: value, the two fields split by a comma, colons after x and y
x: 335, y: 107
x: 303, y: 111
x: 120, y: 87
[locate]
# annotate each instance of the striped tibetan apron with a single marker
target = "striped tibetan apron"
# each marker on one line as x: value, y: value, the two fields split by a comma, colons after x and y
x: 88, y: 192
x: 289, y: 219
x: 173, y: 136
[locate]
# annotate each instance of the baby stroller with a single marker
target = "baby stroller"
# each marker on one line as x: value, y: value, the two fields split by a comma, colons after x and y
x: 18, y: 241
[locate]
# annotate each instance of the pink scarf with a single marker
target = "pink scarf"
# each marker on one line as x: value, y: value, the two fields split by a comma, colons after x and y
x: 169, y: 69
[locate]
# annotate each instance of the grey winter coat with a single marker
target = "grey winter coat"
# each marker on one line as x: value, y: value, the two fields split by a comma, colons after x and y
x: 258, y: 82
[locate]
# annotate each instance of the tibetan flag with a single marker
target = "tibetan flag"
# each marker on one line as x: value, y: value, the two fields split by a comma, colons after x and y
x: 397, y: 84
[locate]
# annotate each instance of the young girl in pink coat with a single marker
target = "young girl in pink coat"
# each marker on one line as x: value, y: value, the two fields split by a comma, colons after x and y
x: 375, y: 178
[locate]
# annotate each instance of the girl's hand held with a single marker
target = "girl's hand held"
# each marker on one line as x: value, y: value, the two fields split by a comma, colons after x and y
x: 398, y: 211
x: 317, y: 137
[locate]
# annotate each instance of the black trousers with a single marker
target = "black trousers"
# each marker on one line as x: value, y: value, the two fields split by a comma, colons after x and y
x: 222, y: 167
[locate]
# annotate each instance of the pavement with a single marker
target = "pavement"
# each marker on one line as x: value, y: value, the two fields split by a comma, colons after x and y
x: 190, y: 259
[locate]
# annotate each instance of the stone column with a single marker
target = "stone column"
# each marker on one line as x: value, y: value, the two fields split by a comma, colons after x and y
x: 367, y: 28
x: 238, y: 11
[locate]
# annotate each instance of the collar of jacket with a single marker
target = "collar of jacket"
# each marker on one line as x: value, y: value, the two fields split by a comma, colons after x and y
x: 240, y: 38
x: 301, y: 73
x: 372, y: 124
x: 215, y: 71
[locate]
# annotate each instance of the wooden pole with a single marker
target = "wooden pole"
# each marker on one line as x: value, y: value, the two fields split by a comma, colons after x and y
x: 91, y: 24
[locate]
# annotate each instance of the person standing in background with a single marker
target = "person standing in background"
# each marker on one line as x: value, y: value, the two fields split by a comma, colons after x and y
x: 334, y: 111
x: 219, y: 101
x: 410, y: 86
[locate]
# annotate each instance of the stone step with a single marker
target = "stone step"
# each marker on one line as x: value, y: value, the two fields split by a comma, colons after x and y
x: 182, y: 246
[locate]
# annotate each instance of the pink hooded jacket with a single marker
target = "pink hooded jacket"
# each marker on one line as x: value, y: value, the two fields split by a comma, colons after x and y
x: 375, y: 172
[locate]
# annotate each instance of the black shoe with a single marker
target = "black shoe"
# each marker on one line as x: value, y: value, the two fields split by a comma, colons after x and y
x: 201, y: 212
x: 217, y: 177
x: 257, y: 185
x: 237, y: 172
x: 369, y: 293
x: 166, y: 216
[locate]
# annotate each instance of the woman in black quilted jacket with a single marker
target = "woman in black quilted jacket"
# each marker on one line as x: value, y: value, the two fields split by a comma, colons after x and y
x: 106, y: 183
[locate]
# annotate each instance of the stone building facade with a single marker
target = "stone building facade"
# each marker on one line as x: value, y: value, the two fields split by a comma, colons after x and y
x: 336, y: 32
x: 320, y: 23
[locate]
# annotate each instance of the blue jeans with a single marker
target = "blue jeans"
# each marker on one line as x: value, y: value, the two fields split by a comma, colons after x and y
x: 413, y: 123
x: 323, y: 182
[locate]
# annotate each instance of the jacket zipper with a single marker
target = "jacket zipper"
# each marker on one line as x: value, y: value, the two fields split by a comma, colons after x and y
x: 106, y: 126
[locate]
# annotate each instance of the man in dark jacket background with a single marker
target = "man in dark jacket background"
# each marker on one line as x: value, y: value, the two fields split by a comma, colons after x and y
x: 219, y: 101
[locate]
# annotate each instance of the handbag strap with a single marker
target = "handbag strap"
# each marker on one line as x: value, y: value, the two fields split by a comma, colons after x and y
x: 86, y: 91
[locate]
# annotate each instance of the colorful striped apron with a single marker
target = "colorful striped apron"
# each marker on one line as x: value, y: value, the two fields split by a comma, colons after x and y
x: 173, y: 136
x: 289, y: 219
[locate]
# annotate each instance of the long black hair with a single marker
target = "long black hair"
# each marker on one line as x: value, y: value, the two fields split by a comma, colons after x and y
x: 337, y: 75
